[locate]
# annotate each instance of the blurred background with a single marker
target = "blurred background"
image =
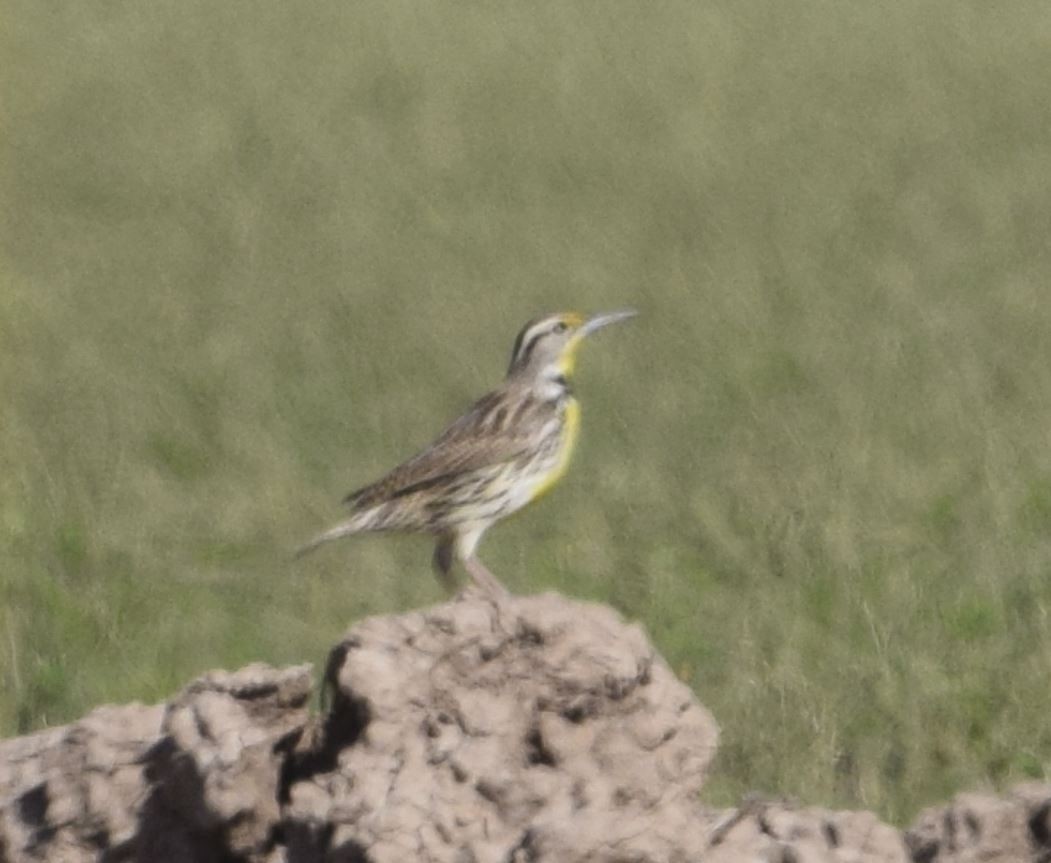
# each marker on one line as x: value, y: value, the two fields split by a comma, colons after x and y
x: 255, y: 253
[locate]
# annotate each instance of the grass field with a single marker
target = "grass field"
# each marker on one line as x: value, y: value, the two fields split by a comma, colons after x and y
x: 252, y: 254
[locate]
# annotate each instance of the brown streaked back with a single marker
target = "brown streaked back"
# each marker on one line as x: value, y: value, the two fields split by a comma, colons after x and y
x: 500, y: 427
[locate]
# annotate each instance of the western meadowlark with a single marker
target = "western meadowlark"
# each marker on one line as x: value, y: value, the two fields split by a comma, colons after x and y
x: 510, y: 447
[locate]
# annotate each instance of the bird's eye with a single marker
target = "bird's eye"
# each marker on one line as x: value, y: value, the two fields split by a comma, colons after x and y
x: 560, y: 327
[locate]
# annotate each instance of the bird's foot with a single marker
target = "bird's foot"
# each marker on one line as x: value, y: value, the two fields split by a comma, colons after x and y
x: 485, y: 580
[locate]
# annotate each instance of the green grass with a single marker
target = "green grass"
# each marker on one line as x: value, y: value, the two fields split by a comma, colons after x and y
x: 254, y: 253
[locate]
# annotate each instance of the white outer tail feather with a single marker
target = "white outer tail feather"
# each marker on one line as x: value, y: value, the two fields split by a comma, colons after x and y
x: 344, y: 528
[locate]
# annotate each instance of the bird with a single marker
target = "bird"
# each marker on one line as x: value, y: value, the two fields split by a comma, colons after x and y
x: 510, y: 447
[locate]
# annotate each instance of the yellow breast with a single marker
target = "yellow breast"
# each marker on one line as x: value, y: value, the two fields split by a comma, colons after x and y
x: 570, y: 429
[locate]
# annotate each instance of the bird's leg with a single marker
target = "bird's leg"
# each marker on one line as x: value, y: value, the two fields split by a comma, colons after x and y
x: 443, y: 561
x: 482, y: 577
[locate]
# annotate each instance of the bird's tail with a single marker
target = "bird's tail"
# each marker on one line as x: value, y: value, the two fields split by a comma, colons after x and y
x: 344, y: 528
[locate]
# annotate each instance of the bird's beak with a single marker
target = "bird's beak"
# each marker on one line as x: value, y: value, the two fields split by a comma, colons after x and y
x: 597, y: 322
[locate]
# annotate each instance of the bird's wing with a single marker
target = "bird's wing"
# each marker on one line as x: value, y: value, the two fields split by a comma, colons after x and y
x: 495, y: 430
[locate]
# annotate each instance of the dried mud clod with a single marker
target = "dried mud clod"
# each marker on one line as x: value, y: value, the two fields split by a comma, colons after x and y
x: 529, y: 729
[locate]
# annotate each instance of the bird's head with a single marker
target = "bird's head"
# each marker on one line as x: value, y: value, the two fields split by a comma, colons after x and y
x: 546, y: 348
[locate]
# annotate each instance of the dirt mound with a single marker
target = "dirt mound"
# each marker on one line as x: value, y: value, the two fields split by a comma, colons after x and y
x: 983, y: 827
x: 542, y: 730
x: 548, y: 727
